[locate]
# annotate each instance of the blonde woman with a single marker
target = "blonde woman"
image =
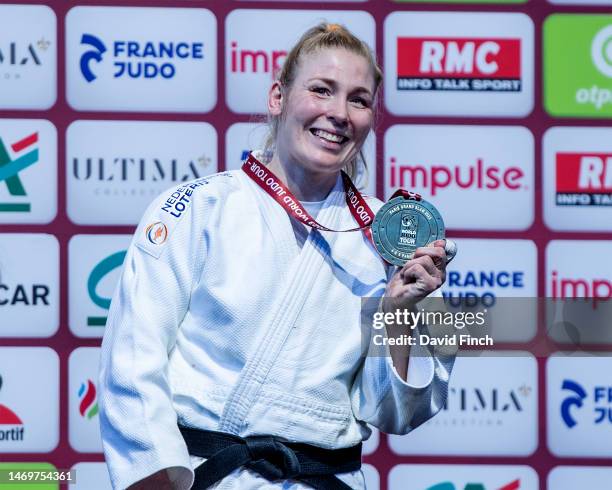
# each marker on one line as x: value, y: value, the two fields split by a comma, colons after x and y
x: 232, y: 353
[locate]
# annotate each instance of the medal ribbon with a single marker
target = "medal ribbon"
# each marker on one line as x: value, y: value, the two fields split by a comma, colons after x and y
x: 270, y: 183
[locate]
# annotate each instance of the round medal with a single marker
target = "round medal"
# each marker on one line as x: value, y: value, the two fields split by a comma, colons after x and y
x: 402, y: 225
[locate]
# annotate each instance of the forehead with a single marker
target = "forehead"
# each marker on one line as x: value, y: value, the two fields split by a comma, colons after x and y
x: 337, y: 64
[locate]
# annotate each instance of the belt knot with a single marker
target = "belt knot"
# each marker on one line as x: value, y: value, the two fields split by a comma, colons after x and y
x: 271, y: 458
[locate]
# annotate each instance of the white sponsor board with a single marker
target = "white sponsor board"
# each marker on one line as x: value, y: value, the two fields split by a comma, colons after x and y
x: 577, y: 165
x: 29, y: 285
x: 114, y: 169
x: 372, y: 478
x: 94, y: 267
x: 257, y: 42
x: 83, y: 419
x: 372, y: 443
x: 459, y: 477
x: 28, y: 171
x: 241, y: 138
x: 28, y: 57
x: 491, y: 410
x: 574, y: 477
x: 491, y: 271
x: 478, y: 177
x: 142, y: 59
x: 459, y: 64
x: 29, y: 400
x: 579, y: 405
x: 584, y: 321
x: 91, y: 476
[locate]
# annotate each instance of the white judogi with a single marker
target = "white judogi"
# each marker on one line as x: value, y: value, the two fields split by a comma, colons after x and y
x: 246, y: 322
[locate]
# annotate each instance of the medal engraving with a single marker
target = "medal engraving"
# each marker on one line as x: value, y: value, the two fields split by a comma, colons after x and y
x: 403, y: 225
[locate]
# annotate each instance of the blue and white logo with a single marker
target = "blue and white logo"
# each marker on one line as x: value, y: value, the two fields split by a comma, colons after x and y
x: 133, y: 59
x: 142, y: 59
x: 579, y: 404
x: 574, y: 399
x: 94, y: 54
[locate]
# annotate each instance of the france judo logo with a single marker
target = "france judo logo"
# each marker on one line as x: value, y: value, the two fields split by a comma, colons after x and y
x: 575, y: 400
x: 157, y: 233
x: 91, y: 55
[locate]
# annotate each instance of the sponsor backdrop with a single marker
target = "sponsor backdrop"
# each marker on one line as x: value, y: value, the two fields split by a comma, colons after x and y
x: 498, y: 111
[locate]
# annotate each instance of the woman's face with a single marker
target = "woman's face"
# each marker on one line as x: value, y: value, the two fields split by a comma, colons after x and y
x: 328, y: 112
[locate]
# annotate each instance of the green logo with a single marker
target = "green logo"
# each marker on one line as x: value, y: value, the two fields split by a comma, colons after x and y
x: 578, y: 65
x: 105, y: 266
x: 9, y: 170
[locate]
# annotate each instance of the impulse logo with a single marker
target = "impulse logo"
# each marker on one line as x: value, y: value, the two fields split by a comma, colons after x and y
x: 136, y: 59
x: 513, y: 485
x: 10, y: 418
x: 249, y: 61
x: 88, y: 405
x: 584, y: 179
x: 459, y: 64
x: 98, y: 273
x: 436, y: 177
x: 563, y: 288
x: 574, y: 401
x: 26, y: 154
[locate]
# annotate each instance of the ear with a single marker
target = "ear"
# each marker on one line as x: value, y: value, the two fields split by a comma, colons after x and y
x: 275, y: 99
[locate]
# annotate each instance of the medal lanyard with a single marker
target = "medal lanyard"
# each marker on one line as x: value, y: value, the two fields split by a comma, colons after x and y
x: 271, y: 184
x: 263, y: 176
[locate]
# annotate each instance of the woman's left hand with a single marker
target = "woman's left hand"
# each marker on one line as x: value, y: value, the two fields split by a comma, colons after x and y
x: 420, y: 276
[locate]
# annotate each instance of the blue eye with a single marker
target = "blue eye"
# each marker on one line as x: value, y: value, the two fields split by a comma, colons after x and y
x: 320, y: 90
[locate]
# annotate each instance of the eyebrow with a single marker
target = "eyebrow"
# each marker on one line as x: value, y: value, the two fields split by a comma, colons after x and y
x: 333, y: 82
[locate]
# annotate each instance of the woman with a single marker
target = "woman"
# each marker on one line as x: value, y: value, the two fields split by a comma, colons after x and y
x: 233, y: 317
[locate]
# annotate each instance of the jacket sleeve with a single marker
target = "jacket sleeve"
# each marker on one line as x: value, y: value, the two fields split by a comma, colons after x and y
x: 137, y: 419
x: 380, y: 397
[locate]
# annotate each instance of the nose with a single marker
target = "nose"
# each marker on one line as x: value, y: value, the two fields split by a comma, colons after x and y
x: 337, y: 111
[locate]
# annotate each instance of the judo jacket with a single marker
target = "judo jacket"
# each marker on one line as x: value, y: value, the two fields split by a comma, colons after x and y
x: 230, y: 316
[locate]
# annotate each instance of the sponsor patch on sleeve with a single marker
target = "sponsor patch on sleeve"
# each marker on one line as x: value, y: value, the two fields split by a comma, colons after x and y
x: 157, y: 232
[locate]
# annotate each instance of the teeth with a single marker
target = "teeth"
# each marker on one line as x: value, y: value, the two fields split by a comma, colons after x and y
x: 336, y: 138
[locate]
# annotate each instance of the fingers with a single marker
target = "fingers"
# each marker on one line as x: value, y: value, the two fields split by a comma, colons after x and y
x: 435, y: 252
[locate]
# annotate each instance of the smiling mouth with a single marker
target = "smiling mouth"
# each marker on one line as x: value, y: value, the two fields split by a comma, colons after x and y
x: 331, y: 137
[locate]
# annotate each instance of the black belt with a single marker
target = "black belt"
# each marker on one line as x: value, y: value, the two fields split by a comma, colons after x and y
x: 271, y: 458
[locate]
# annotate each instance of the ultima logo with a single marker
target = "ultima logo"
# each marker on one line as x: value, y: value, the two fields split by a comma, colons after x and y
x: 574, y: 401
x: 584, y: 179
x: 18, y: 55
x: 513, y: 485
x: 26, y: 154
x: 491, y: 400
x: 249, y: 61
x: 435, y: 177
x: 88, y: 404
x: 563, y: 288
x: 98, y: 273
x: 460, y: 64
x: 135, y: 59
x: 10, y: 418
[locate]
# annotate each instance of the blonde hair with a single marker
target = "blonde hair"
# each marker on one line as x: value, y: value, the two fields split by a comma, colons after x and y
x: 322, y: 36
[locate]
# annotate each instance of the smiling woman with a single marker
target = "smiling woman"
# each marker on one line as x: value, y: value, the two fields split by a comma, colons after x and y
x: 232, y: 355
